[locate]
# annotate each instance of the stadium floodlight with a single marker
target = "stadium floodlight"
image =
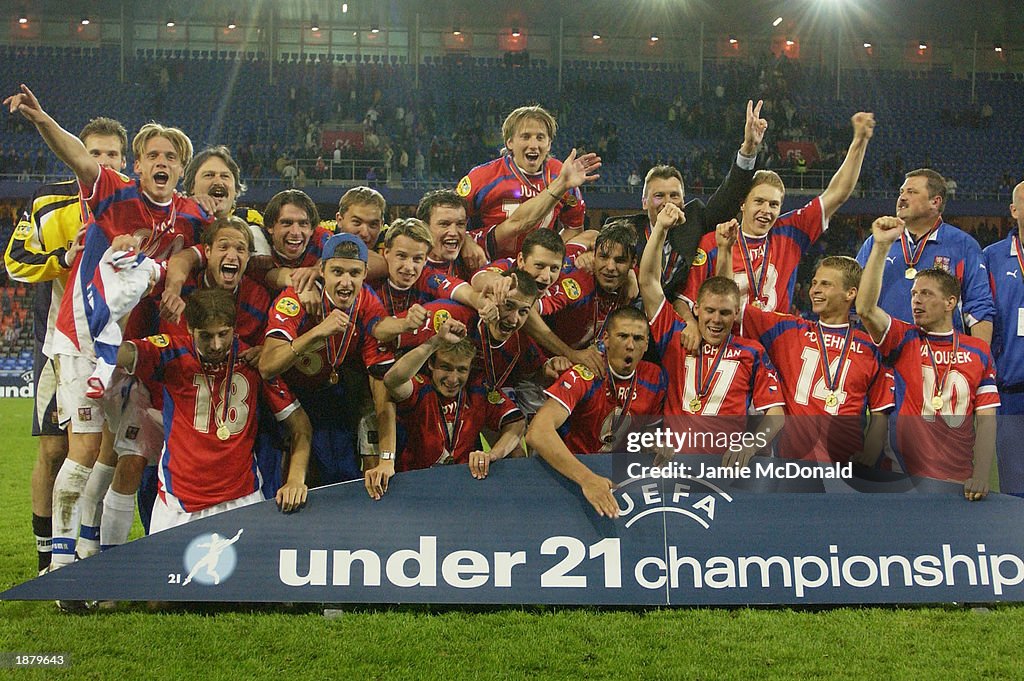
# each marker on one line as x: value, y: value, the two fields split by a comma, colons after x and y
x: 315, y: 24
x: 85, y: 21
x: 654, y: 38
x: 732, y: 40
x: 515, y: 32
x: 778, y: 20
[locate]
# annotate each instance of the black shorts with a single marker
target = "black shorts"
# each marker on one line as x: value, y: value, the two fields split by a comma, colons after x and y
x: 44, y: 410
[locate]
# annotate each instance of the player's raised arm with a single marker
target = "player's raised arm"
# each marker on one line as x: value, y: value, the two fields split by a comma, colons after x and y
x: 68, y: 147
x: 542, y: 436
x: 885, y: 231
x: 726, y: 234
x: 842, y: 184
x: 650, y: 264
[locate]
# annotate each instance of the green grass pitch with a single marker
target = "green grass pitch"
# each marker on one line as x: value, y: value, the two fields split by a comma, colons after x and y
x: 237, y: 643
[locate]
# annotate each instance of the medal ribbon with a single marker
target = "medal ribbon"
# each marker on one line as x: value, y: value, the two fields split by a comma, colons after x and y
x: 493, y: 382
x: 389, y: 299
x: 756, y: 283
x: 521, y: 176
x: 154, y: 234
x: 451, y: 437
x: 911, y: 254
x: 704, y: 382
x: 826, y: 372
x: 940, y: 379
x: 617, y: 422
x: 337, y: 356
x: 228, y: 375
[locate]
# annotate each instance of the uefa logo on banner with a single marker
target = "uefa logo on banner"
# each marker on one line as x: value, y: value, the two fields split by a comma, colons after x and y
x: 210, y: 559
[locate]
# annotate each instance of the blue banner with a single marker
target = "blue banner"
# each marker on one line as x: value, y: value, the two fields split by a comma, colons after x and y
x: 527, y: 535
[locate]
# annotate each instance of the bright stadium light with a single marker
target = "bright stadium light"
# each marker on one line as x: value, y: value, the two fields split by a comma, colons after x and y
x: 778, y: 20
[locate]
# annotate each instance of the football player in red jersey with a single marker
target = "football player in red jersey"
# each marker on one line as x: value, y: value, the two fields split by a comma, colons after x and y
x: 830, y: 371
x: 726, y: 376
x: 326, y: 358
x: 946, y: 395
x: 147, y: 212
x: 585, y: 413
x: 495, y: 190
x: 207, y: 465
x: 768, y: 251
x: 445, y: 412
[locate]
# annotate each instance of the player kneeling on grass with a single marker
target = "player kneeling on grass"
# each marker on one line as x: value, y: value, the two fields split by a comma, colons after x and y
x: 586, y: 413
x: 946, y: 394
x: 210, y: 400
x: 444, y: 413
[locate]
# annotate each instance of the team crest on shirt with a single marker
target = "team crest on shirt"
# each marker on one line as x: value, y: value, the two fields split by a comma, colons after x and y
x: 700, y: 258
x: 131, y: 433
x: 288, y: 306
x: 23, y: 231
x: 571, y: 288
x: 464, y: 187
x: 942, y: 263
x: 440, y: 317
x: 160, y: 340
x: 584, y: 372
x: 85, y: 413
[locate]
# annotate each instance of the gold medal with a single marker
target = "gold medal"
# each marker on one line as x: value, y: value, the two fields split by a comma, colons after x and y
x: 494, y: 397
x: 695, y: 405
x: 910, y: 273
x: 334, y: 378
x: 831, y: 400
x: 937, y: 402
x: 758, y: 304
x: 222, y: 432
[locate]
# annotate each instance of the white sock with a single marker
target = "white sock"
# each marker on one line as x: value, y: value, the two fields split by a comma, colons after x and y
x: 118, y: 516
x: 67, y: 488
x: 91, y: 505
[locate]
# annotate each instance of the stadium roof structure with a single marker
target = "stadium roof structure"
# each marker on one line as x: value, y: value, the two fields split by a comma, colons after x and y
x: 995, y: 21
